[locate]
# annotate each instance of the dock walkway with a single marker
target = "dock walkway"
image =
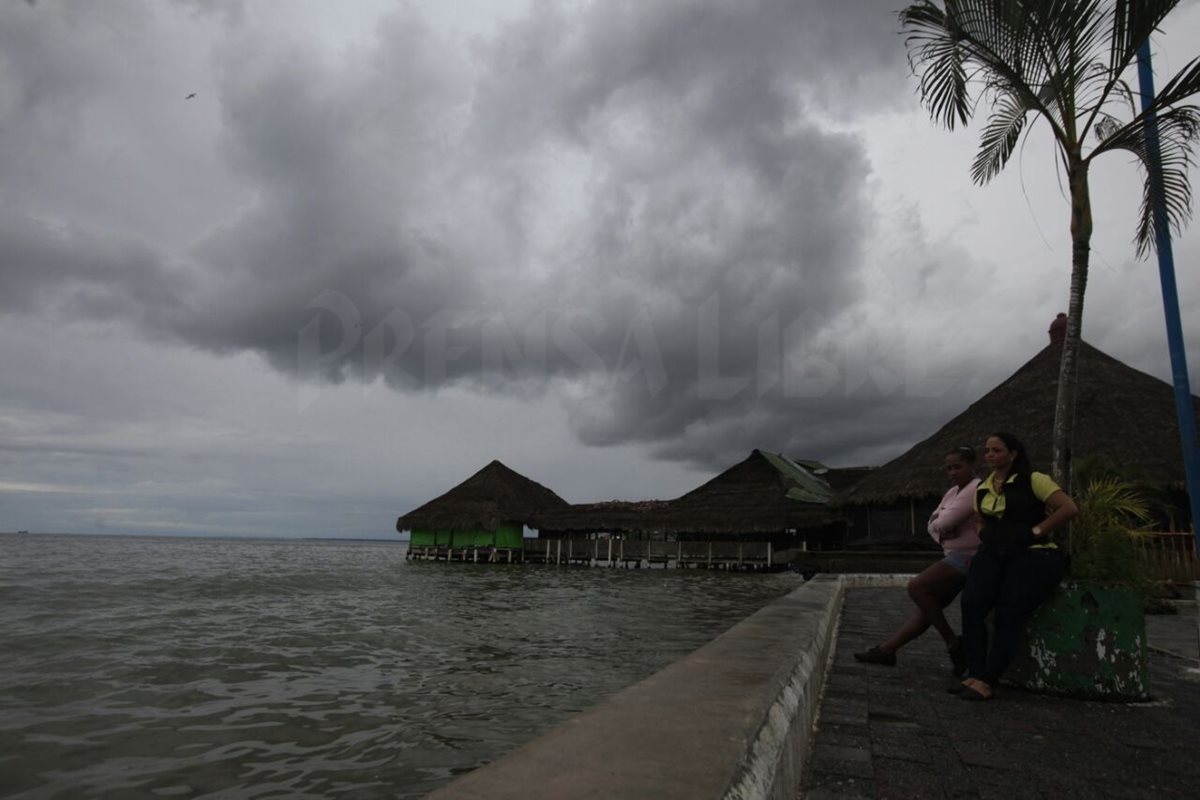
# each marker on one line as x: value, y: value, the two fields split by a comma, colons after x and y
x: 895, y: 732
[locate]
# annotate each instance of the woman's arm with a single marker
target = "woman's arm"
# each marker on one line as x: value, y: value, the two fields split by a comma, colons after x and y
x: 946, y: 520
x: 1062, y: 509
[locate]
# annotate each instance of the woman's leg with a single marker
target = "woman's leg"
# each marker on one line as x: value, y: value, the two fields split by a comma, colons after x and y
x: 978, y: 598
x: 911, y: 629
x: 1029, y: 580
x: 931, y: 591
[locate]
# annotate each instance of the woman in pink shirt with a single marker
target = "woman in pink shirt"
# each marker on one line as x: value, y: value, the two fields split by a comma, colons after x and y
x: 955, y: 526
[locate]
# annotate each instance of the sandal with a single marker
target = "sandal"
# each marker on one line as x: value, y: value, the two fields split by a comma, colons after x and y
x: 876, y: 656
x: 971, y: 691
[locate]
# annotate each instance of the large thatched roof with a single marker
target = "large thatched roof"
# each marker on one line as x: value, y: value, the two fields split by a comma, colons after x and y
x: 492, y: 496
x: 765, y: 493
x: 1123, y: 417
x: 611, y: 516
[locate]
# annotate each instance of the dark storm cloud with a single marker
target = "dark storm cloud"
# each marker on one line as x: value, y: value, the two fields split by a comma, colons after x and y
x: 692, y: 289
x: 81, y: 273
x: 562, y: 66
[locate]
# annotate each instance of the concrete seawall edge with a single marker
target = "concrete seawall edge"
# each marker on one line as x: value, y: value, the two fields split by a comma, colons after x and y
x: 731, y: 720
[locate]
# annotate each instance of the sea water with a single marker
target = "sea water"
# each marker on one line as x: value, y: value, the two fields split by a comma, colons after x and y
x: 187, y: 667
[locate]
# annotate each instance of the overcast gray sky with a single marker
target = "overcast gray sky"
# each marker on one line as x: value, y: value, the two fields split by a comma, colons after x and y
x: 615, y: 245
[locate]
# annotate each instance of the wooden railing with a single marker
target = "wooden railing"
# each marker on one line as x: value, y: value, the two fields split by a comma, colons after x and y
x: 1170, y: 556
x: 614, y: 551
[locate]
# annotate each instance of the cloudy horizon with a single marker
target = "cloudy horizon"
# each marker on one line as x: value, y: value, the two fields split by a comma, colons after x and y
x: 267, y: 273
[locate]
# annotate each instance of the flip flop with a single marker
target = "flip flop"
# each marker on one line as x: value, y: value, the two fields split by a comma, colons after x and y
x: 971, y: 693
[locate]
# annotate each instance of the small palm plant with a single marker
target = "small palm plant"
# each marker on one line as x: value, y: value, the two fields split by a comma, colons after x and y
x: 1113, y: 514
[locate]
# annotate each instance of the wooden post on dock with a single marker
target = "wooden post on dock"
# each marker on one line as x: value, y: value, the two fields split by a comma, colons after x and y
x: 610, y: 562
x: 768, y: 554
x: 558, y: 552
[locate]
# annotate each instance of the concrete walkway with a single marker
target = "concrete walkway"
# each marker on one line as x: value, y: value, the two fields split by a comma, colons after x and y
x: 894, y: 732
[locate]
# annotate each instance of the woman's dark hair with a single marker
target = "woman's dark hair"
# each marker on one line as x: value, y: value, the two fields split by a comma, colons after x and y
x: 1020, y: 465
x: 964, y: 452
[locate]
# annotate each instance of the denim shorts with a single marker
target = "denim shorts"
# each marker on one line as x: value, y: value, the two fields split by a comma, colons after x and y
x: 960, y: 561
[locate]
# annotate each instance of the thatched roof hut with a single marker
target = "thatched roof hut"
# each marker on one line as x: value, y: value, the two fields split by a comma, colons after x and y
x: 1123, y: 418
x: 493, y: 496
x: 764, y: 494
x: 610, y: 516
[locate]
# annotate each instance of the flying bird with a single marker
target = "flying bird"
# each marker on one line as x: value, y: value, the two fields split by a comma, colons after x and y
x: 190, y: 96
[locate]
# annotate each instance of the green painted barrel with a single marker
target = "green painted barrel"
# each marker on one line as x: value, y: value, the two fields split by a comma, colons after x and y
x: 1088, y: 641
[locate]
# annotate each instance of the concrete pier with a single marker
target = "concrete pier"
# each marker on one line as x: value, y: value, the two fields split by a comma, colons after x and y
x: 777, y: 707
x: 895, y: 732
x: 731, y: 720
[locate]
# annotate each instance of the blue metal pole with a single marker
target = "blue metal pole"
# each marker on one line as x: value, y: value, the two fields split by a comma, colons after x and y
x: 1166, y: 274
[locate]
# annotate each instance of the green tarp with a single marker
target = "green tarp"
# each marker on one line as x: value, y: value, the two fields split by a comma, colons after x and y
x: 808, y: 488
x: 506, y: 535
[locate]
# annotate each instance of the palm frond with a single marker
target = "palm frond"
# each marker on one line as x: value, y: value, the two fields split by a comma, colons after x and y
x: 1074, y: 34
x: 998, y: 39
x: 1185, y: 85
x: 935, y: 55
x: 1097, y: 89
x: 1111, y: 502
x: 999, y: 138
x: 1106, y: 126
x: 1127, y: 95
x: 1132, y: 23
x: 1178, y: 130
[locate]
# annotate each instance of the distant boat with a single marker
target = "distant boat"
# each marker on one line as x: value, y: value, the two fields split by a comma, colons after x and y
x: 22, y: 532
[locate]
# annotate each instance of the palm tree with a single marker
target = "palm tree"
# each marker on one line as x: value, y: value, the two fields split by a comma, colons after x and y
x: 1063, y: 62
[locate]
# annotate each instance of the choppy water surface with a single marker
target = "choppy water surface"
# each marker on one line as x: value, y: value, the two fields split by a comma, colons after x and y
x: 143, y: 667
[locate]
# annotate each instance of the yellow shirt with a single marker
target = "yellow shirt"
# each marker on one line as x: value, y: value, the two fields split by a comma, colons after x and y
x: 993, y: 503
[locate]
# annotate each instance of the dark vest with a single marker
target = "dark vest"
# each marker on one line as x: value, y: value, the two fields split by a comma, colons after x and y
x: 1013, y: 529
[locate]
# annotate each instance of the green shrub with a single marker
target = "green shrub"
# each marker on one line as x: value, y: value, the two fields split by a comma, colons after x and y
x: 1104, y: 537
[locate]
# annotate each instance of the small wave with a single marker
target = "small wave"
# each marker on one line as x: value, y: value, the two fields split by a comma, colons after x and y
x: 191, y: 668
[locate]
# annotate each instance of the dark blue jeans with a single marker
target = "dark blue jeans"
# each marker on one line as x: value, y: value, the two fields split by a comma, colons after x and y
x: 1012, y: 584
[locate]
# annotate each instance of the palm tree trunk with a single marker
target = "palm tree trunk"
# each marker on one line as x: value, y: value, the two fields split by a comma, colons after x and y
x: 1081, y: 240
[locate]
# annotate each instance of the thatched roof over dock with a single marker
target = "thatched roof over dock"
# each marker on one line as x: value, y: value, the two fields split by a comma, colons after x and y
x: 1123, y: 417
x: 611, y: 516
x: 765, y: 493
x: 494, y: 495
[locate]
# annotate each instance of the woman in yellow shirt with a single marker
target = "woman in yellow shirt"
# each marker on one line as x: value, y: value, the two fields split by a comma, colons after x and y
x: 1017, y: 565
